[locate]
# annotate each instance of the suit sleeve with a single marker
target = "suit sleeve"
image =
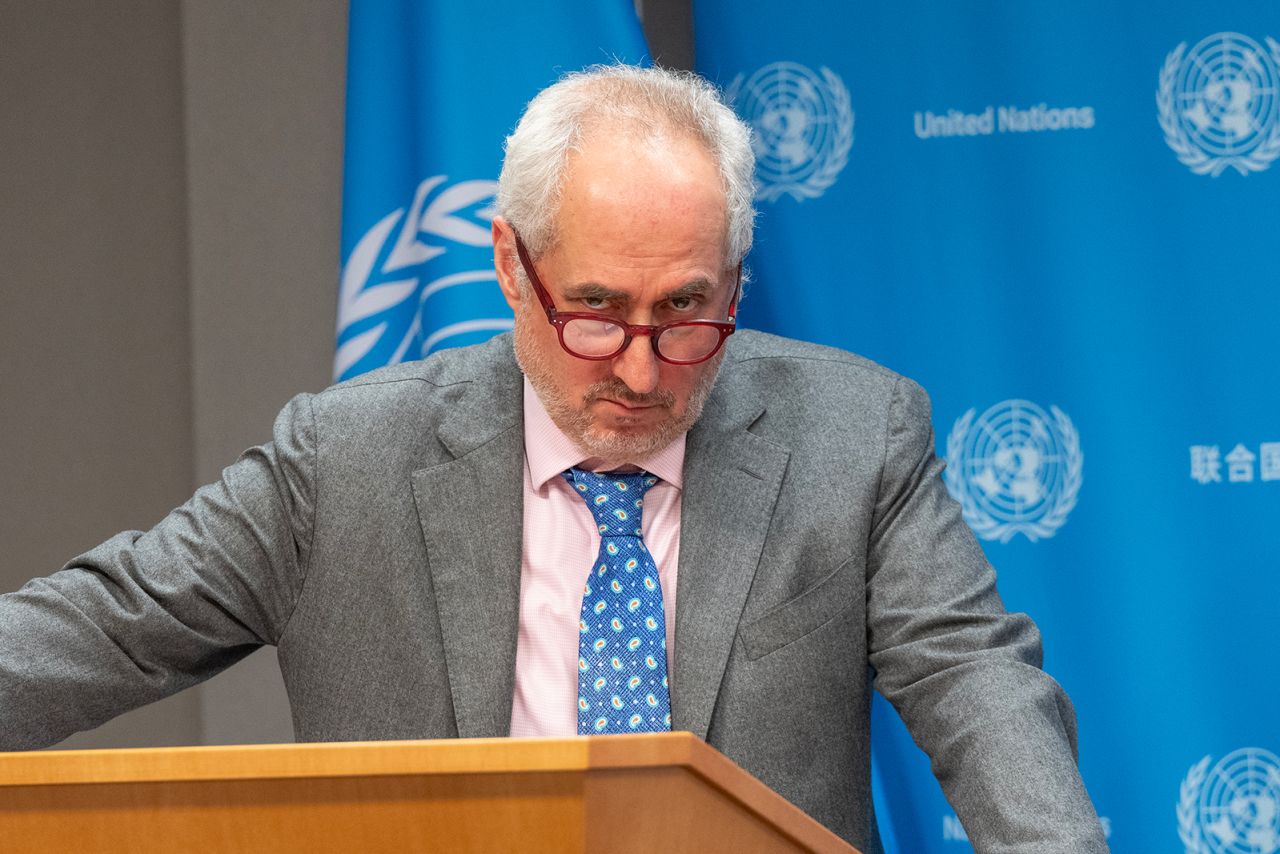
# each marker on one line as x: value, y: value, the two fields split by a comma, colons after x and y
x: 964, y: 674
x: 145, y: 615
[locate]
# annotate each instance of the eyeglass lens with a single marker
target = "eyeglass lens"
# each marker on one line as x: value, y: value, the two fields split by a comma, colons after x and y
x: 600, y: 338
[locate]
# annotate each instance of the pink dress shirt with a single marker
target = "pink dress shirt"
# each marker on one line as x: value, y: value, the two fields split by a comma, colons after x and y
x: 560, y: 546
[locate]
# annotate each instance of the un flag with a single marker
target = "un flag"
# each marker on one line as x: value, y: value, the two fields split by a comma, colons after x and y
x: 432, y: 90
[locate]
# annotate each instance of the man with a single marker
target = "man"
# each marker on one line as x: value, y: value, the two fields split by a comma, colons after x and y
x: 417, y: 543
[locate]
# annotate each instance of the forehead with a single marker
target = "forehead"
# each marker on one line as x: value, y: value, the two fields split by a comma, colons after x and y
x: 656, y: 197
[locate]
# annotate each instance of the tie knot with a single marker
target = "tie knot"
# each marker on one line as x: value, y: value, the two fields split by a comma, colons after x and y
x: 615, y: 499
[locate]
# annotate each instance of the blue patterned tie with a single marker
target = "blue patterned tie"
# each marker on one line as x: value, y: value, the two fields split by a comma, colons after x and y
x: 622, y: 641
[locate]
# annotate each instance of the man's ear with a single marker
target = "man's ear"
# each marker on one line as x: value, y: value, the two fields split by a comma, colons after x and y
x: 505, y: 261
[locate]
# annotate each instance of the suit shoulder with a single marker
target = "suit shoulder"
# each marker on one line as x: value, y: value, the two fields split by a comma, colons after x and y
x: 441, y: 370
x: 762, y: 353
x: 819, y: 400
x: 397, y: 406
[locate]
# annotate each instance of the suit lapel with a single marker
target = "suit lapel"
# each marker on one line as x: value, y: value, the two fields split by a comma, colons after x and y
x: 471, y: 512
x: 471, y: 509
x: 731, y: 484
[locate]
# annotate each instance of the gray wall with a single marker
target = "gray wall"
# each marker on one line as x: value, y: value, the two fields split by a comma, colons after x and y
x: 170, y: 189
x: 170, y: 180
x: 95, y: 347
x: 264, y: 99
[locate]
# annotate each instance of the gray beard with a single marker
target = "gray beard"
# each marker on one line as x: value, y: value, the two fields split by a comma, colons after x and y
x: 575, y: 422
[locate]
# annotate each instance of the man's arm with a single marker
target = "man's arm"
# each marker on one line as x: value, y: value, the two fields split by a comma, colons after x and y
x: 964, y: 674
x: 145, y: 615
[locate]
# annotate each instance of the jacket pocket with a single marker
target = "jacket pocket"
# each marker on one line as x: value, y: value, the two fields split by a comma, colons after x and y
x: 799, y: 616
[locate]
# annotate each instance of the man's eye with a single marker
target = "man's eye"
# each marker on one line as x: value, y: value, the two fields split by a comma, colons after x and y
x: 595, y: 303
x: 682, y: 303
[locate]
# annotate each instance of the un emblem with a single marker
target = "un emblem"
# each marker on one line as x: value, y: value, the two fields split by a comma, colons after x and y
x: 406, y: 270
x: 1233, y: 808
x: 1219, y: 104
x: 803, y: 125
x: 1015, y: 469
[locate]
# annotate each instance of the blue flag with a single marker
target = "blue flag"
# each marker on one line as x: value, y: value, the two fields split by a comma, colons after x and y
x: 433, y: 88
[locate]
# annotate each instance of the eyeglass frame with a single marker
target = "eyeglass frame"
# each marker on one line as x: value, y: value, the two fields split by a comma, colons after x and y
x: 559, y: 319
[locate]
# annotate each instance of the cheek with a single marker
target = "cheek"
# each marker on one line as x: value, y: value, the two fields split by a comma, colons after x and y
x: 570, y: 374
x: 680, y: 382
x: 543, y: 341
x: 577, y: 375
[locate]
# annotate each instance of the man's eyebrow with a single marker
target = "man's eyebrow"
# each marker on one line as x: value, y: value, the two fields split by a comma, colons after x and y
x: 695, y: 288
x: 595, y: 290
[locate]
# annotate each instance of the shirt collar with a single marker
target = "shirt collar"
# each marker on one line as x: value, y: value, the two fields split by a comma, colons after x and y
x: 549, y: 451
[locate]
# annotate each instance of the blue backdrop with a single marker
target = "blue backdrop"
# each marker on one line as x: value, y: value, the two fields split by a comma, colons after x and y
x: 1062, y: 219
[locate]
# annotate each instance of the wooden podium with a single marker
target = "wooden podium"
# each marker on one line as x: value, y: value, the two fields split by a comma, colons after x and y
x: 482, y: 795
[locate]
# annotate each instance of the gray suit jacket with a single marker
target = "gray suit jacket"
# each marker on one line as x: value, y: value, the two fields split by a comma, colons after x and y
x: 377, y: 542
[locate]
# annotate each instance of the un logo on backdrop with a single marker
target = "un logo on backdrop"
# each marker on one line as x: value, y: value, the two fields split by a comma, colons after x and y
x: 1233, y: 808
x: 1015, y: 469
x: 803, y: 126
x: 394, y: 279
x: 1219, y: 104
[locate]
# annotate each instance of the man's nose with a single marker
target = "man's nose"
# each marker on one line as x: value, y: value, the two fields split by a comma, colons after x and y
x: 637, y: 366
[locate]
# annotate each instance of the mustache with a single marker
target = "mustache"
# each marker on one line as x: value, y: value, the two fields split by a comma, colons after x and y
x: 616, y: 389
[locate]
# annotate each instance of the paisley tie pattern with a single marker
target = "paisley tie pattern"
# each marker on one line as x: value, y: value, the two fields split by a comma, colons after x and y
x: 622, y: 641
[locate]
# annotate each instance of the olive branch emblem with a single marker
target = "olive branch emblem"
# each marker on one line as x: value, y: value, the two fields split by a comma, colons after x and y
x: 836, y: 154
x: 986, y: 525
x: 1191, y: 155
x: 426, y: 230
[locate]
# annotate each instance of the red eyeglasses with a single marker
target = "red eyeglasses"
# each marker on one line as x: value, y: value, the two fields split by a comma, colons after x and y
x: 597, y: 337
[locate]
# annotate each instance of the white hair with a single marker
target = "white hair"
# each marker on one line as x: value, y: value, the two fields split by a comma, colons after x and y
x: 653, y: 101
